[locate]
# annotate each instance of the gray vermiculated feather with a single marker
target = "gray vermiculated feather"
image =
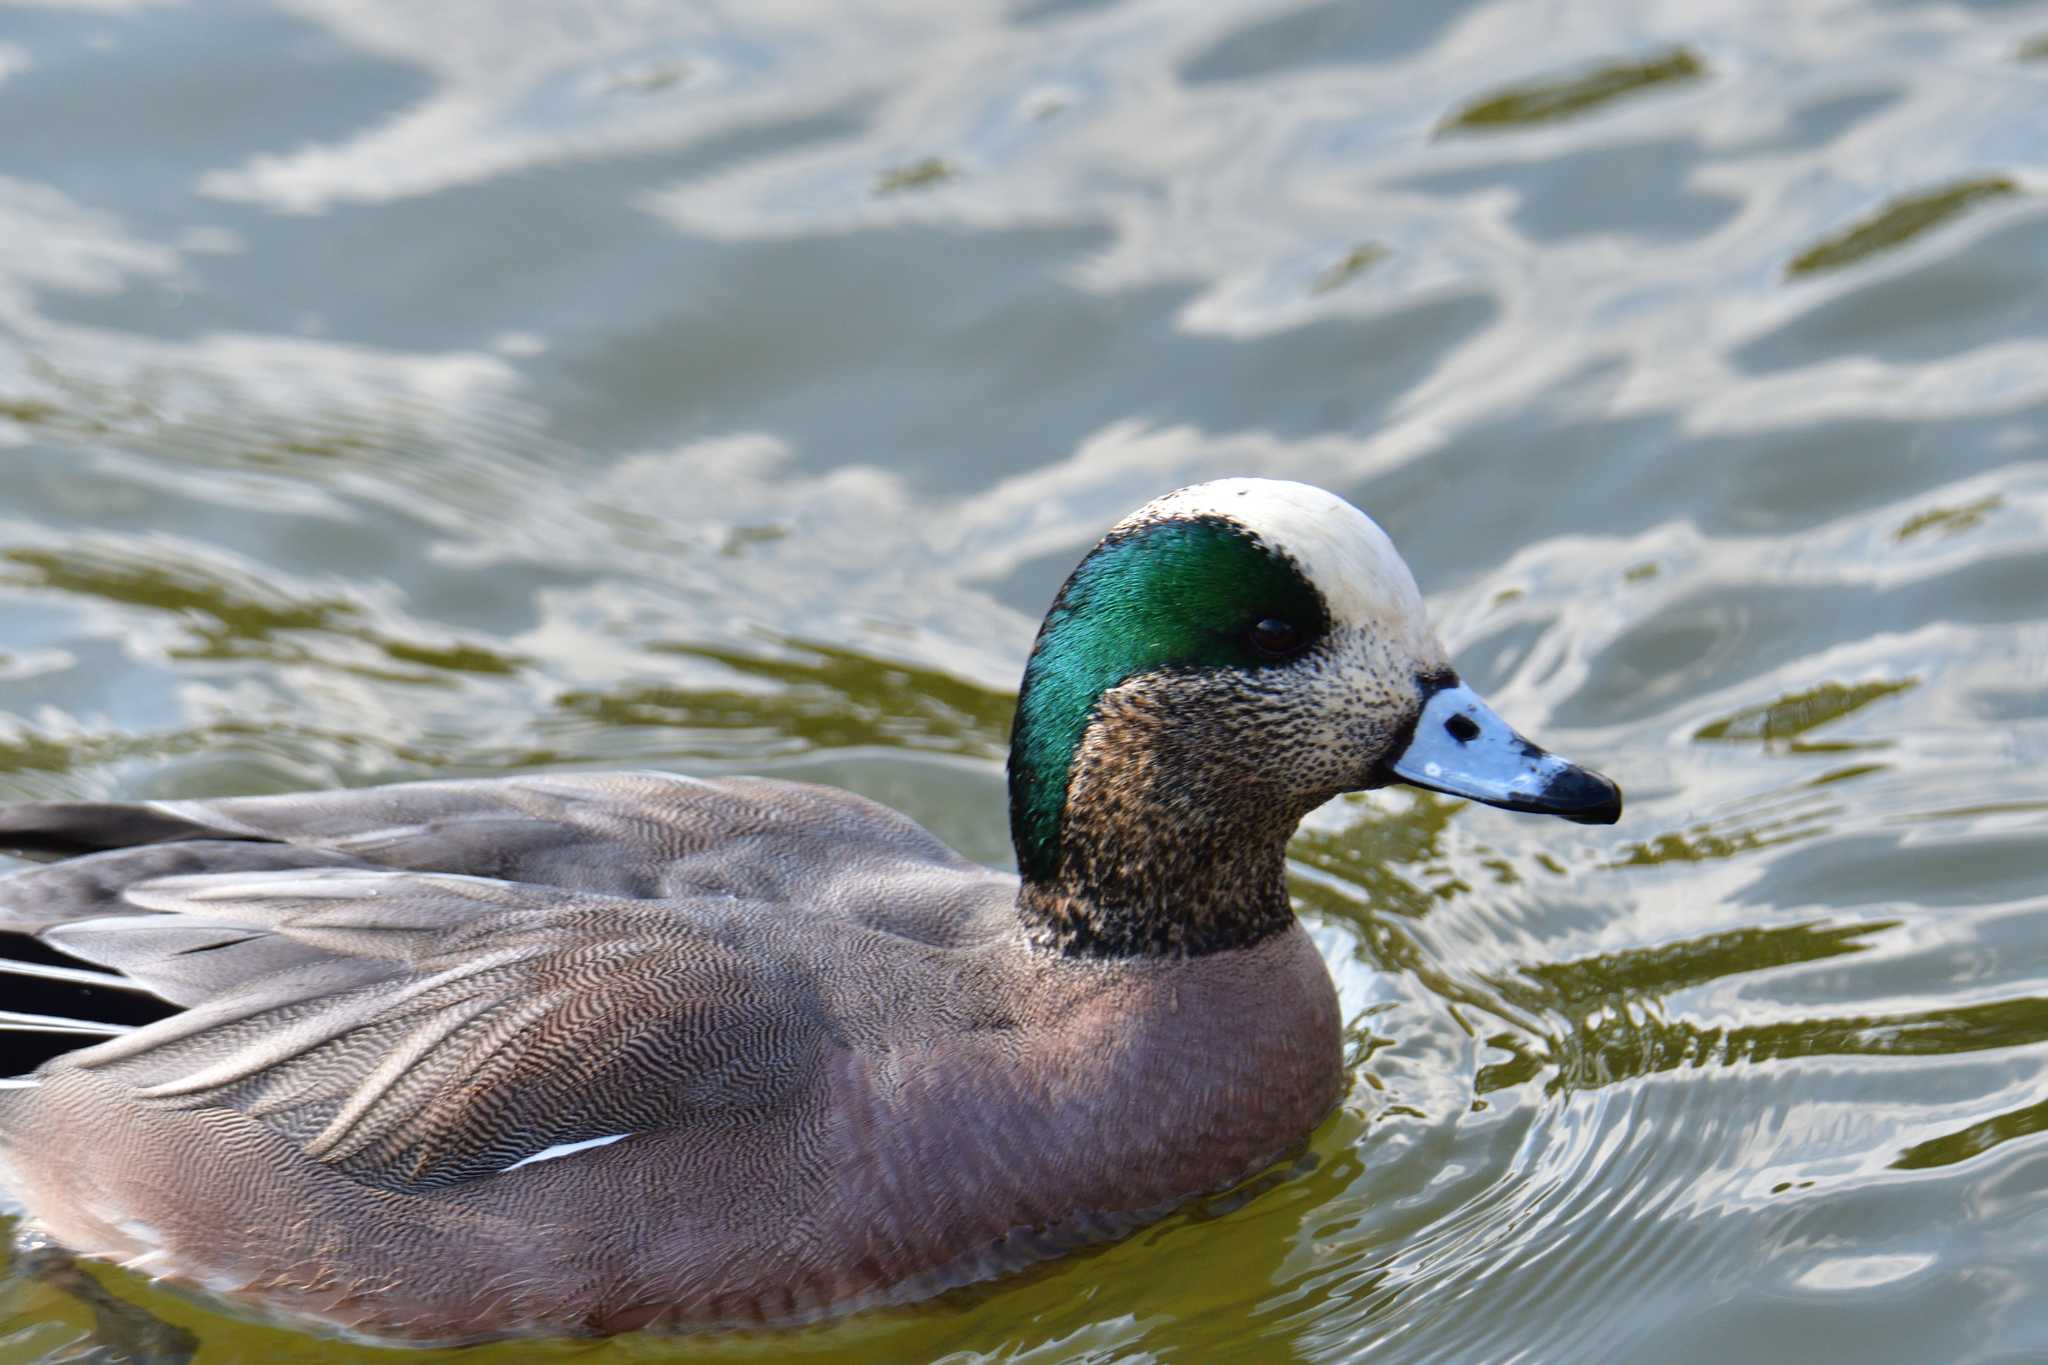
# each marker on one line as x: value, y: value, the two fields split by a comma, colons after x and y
x: 387, y: 1070
x: 620, y: 833
x: 81, y: 907
x: 184, y: 963
x: 34, y: 898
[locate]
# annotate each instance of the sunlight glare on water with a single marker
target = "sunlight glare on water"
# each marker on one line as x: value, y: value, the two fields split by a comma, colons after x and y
x: 396, y: 389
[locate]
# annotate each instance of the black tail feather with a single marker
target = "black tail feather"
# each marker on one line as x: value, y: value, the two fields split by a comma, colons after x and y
x: 60, y: 829
x: 23, y: 1049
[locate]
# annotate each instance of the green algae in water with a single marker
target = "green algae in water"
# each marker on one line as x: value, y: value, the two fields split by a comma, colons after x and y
x: 1356, y: 262
x: 917, y: 175
x: 1703, y: 845
x: 1603, y: 981
x: 221, y: 610
x: 1897, y: 223
x: 28, y: 412
x: 827, y: 697
x: 454, y: 658
x: 227, y: 615
x: 1547, y: 101
x: 1624, y: 1044
x: 1975, y: 1140
x: 1361, y: 862
x: 1797, y: 712
x: 1948, y: 521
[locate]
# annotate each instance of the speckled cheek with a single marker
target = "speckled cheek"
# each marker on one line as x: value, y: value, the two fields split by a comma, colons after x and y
x: 1360, y: 697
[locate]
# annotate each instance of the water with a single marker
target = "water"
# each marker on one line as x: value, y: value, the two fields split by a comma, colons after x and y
x: 399, y: 389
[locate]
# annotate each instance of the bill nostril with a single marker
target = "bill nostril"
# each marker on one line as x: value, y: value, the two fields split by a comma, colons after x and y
x: 1462, y: 728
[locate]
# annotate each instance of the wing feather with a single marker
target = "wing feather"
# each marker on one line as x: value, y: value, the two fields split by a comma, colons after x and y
x: 452, y: 1026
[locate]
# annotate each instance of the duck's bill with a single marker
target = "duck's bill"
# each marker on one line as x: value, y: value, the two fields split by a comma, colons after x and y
x: 1461, y: 747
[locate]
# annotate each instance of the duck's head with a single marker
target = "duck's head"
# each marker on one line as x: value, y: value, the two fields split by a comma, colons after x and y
x: 1228, y: 657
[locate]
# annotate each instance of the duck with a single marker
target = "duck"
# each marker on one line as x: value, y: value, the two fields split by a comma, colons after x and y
x: 585, y: 1053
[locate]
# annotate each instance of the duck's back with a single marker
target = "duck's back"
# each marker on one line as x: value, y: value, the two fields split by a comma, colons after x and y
x: 812, y: 850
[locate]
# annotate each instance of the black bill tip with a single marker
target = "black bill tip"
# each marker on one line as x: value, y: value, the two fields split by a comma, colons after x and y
x: 1582, y: 796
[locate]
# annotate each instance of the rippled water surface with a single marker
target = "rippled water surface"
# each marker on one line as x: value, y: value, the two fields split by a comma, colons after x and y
x: 402, y: 389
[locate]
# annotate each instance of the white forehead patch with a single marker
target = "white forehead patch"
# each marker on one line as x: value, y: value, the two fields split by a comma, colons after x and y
x: 1343, y: 552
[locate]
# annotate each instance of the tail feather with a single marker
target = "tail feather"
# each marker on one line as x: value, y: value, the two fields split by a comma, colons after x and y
x: 50, y: 1001
x: 65, y: 829
x: 13, y: 1021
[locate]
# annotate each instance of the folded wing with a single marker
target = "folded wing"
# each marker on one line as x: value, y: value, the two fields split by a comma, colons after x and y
x: 420, y: 1029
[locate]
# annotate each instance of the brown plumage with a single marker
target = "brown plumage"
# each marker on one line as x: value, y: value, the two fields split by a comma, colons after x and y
x: 591, y: 1053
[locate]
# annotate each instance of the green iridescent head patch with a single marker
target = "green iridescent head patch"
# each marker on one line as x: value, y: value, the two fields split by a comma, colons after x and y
x: 1179, y: 594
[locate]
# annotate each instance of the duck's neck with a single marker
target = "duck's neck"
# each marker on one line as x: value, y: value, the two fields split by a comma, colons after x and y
x: 1171, y: 840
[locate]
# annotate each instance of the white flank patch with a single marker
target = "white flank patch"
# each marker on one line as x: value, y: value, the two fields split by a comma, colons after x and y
x: 18, y: 1082
x: 1343, y: 552
x: 566, y: 1149
x: 135, y: 1230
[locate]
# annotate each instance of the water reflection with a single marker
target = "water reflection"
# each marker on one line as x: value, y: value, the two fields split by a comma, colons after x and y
x: 824, y: 698
x: 1967, y: 1143
x: 1798, y: 712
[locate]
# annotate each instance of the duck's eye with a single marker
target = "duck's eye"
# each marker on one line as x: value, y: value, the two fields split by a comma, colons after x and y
x: 1274, y: 638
